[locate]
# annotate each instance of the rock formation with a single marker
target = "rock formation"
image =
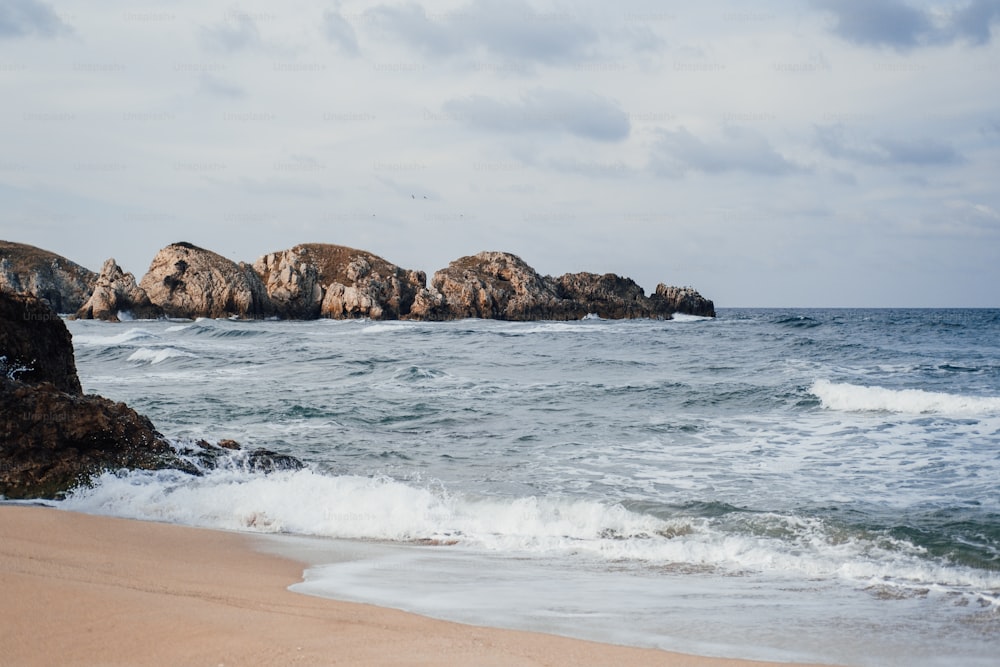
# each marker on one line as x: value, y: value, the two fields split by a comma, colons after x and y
x: 25, y: 269
x: 116, y: 291
x: 682, y: 300
x: 53, y: 437
x: 608, y: 296
x: 324, y: 280
x: 314, y: 280
x: 35, y: 346
x: 498, y: 285
x: 187, y: 281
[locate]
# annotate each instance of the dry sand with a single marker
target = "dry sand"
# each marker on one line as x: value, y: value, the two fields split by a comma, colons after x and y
x: 86, y: 590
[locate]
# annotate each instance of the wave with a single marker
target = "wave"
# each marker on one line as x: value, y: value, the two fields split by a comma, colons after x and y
x: 306, y: 502
x: 158, y: 355
x: 798, y: 322
x: 683, y: 317
x: 130, y: 336
x: 855, y: 398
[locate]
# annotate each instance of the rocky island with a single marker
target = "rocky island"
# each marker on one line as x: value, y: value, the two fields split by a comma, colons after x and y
x: 315, y: 280
x: 54, y: 437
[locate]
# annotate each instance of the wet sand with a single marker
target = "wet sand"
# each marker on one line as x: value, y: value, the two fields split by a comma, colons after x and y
x: 86, y: 590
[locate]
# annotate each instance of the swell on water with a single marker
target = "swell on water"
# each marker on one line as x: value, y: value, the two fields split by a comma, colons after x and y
x: 857, y: 398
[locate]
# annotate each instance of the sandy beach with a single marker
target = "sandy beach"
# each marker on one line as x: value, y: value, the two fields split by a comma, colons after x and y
x: 86, y: 590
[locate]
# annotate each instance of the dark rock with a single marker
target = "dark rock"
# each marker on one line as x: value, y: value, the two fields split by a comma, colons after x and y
x: 682, y: 300
x: 34, y: 338
x: 116, y: 291
x: 266, y: 461
x: 52, y: 437
x: 608, y: 296
x: 25, y: 269
x: 228, y: 454
x: 52, y: 441
x: 190, y: 282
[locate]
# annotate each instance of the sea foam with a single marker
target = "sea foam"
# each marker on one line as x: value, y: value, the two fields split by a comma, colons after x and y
x: 855, y: 398
x: 158, y: 355
x: 307, y: 502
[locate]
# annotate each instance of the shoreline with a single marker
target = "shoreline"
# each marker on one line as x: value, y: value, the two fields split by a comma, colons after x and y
x: 84, y: 589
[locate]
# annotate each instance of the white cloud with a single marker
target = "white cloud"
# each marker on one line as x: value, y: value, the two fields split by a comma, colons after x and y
x: 677, y: 152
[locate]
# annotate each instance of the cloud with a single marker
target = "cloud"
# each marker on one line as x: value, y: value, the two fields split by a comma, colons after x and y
x: 507, y: 30
x: 834, y: 140
x: 542, y: 110
x: 237, y: 33
x: 974, y: 21
x: 213, y: 85
x: 901, y: 26
x: 742, y: 149
x: 340, y: 33
x: 22, y: 18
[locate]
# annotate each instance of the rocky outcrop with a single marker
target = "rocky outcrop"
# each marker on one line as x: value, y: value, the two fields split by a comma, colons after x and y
x: 291, y: 280
x: 187, y: 281
x: 501, y: 286
x: 314, y: 280
x: 25, y: 269
x: 325, y: 280
x: 35, y: 346
x: 53, y: 437
x: 682, y: 300
x: 498, y: 285
x: 608, y: 296
x: 117, y: 292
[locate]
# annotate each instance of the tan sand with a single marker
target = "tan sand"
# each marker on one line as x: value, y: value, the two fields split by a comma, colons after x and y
x: 85, y: 590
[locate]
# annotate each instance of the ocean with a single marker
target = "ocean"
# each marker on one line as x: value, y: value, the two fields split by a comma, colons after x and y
x: 819, y: 485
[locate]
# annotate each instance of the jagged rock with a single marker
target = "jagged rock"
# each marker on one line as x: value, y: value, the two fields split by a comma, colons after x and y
x: 499, y: 285
x: 317, y: 279
x: 429, y: 305
x: 266, y: 461
x: 116, y: 291
x: 187, y: 281
x: 229, y: 454
x: 682, y: 300
x: 34, y: 338
x: 25, y: 269
x: 609, y: 296
x: 52, y: 437
x: 291, y: 279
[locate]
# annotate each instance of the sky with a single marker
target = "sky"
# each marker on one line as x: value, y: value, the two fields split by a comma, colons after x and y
x: 824, y: 153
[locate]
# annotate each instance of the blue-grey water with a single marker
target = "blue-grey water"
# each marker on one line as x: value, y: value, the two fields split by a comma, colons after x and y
x: 804, y: 484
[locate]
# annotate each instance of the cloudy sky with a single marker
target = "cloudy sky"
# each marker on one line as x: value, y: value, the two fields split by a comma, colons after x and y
x: 772, y: 153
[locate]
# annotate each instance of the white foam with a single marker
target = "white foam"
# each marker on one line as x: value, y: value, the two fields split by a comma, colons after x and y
x: 684, y: 317
x: 129, y: 336
x: 380, y: 328
x: 856, y: 398
x: 308, y: 503
x: 177, y: 327
x: 158, y: 355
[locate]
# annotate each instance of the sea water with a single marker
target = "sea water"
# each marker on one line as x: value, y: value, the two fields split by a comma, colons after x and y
x: 815, y: 485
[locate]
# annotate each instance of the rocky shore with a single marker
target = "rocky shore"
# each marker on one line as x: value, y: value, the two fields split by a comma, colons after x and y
x: 54, y: 437
x: 316, y: 280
